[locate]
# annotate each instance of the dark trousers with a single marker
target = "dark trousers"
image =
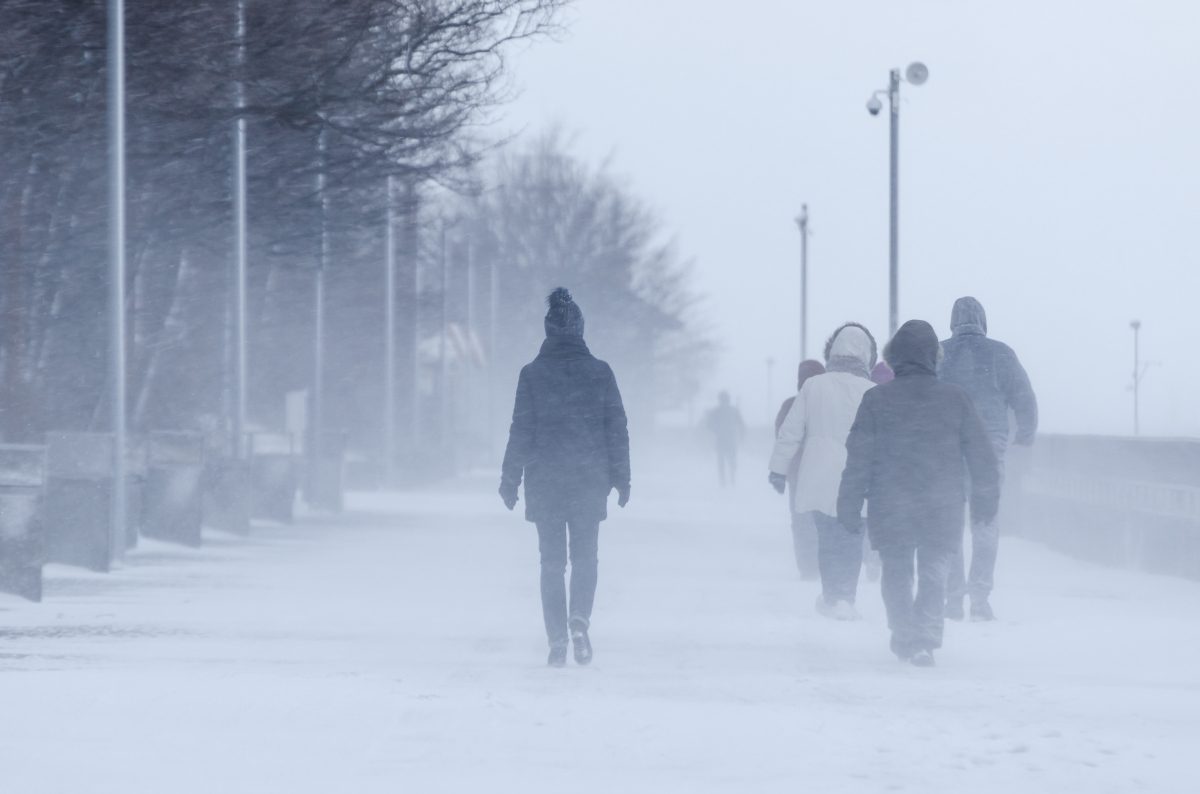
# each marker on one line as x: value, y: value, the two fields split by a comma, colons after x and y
x: 804, y: 544
x: 985, y: 543
x: 839, y: 559
x: 916, y: 622
x: 726, y: 460
x: 552, y: 543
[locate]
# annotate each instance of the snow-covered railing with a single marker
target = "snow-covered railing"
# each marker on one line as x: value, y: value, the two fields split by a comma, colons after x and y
x: 1132, y: 502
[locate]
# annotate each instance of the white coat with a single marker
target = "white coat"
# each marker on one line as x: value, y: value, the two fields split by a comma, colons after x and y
x: 820, y: 419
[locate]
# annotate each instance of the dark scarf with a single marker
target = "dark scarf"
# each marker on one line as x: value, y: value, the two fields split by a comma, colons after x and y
x: 564, y: 348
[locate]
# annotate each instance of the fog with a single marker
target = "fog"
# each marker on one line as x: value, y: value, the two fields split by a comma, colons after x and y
x: 1047, y: 168
x: 425, y: 432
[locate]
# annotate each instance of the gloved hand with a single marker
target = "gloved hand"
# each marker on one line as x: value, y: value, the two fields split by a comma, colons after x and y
x: 622, y: 495
x: 778, y: 482
x: 852, y: 524
x: 509, y: 494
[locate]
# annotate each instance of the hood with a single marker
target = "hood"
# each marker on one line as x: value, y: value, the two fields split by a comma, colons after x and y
x: 968, y: 316
x: 808, y: 369
x: 914, y: 350
x: 852, y: 340
x: 882, y: 373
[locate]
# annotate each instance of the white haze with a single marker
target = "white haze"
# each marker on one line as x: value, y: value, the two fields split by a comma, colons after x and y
x: 1048, y: 168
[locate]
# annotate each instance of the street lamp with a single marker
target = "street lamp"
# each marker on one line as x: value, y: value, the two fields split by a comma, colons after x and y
x: 915, y: 74
x: 802, y: 222
x: 1136, y: 325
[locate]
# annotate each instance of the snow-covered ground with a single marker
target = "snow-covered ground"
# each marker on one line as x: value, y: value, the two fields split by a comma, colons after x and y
x: 399, y: 648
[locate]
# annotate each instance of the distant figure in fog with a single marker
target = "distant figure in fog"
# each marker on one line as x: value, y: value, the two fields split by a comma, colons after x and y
x: 819, y: 420
x: 913, y: 443
x: 804, y: 531
x: 882, y: 374
x: 727, y: 427
x: 995, y: 380
x: 569, y: 439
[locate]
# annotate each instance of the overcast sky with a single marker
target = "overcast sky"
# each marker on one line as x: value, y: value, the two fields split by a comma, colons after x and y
x: 1050, y: 167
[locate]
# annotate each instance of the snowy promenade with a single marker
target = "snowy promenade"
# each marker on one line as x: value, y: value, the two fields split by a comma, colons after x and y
x: 399, y: 648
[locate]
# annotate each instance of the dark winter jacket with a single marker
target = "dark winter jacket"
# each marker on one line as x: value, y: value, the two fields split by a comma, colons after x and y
x: 912, y: 444
x: 990, y: 373
x: 568, y: 434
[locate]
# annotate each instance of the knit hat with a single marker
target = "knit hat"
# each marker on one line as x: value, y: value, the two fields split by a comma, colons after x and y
x: 564, y: 317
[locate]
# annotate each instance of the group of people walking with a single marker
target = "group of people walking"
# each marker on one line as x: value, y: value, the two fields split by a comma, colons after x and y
x: 917, y: 443
x: 915, y: 438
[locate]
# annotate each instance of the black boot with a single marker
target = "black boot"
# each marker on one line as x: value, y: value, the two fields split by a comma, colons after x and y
x: 583, y: 646
x: 981, y: 610
x: 558, y: 656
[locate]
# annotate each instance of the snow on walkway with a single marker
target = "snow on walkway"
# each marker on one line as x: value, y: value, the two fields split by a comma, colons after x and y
x: 399, y: 648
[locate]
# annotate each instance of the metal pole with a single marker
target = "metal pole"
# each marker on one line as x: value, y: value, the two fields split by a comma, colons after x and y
x: 389, y: 363
x: 1137, y: 326
x: 802, y: 222
x: 894, y: 234
x: 468, y: 379
x: 410, y: 224
x: 116, y: 265
x: 239, y: 214
x: 494, y: 303
x: 770, y: 396
x: 445, y: 360
x: 318, y: 397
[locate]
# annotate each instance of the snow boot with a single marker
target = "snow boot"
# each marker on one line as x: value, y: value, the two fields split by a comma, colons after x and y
x: 841, y: 610
x: 581, y: 643
x: 981, y: 611
x: 922, y: 658
x: 954, y: 609
x: 558, y: 656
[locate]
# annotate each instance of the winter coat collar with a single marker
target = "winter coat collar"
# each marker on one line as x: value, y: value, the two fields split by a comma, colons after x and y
x: 564, y: 348
x: 969, y: 329
x: 850, y: 364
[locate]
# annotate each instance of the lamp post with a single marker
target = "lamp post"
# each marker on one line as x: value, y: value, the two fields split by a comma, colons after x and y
x: 389, y: 344
x: 915, y: 74
x: 1136, y: 325
x: 770, y: 397
x: 802, y: 222
x: 116, y: 267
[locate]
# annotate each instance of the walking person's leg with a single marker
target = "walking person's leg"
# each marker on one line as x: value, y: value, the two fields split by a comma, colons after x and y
x: 956, y: 584
x: 985, y: 543
x: 721, y: 465
x: 804, y: 544
x: 839, y: 558
x: 585, y: 536
x: 896, y: 587
x: 552, y: 543
x: 928, y: 621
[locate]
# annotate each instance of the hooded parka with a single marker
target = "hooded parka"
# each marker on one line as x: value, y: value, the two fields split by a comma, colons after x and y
x: 820, y: 418
x: 990, y: 373
x: 912, y: 444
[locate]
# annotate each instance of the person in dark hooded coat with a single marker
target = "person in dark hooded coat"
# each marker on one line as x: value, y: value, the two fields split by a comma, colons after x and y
x: 995, y: 380
x: 569, y: 439
x: 913, y: 442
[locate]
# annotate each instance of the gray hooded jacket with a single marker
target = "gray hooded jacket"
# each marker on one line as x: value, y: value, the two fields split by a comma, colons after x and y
x: 990, y: 373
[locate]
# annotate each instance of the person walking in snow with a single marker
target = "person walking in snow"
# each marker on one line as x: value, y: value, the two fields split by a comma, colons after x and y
x: 725, y: 422
x: 820, y: 419
x: 570, y: 441
x: 995, y: 381
x: 804, y: 531
x: 913, y: 443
